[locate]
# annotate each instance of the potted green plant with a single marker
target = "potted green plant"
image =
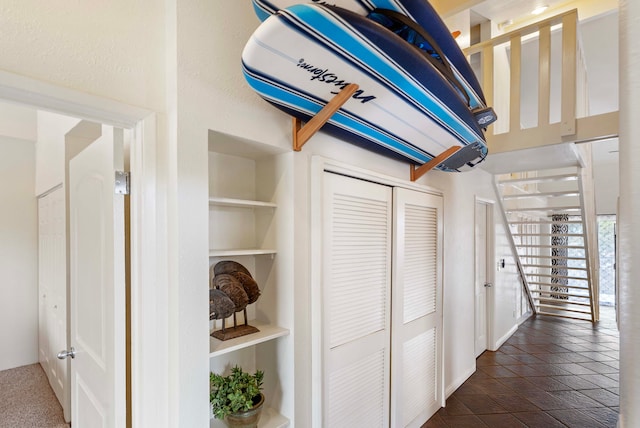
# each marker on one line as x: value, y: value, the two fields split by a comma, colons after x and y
x: 236, y: 398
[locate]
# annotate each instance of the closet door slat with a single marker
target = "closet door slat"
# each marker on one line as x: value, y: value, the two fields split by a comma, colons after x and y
x: 416, y: 371
x: 357, y: 220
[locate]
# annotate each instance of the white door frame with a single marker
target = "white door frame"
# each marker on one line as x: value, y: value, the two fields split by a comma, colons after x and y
x: 149, y: 288
x: 319, y: 165
x: 490, y: 269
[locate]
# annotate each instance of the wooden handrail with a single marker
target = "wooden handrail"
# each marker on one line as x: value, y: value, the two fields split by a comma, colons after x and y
x: 529, y: 29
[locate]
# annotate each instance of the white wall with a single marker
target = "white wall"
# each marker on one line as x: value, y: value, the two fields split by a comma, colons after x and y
x: 210, y: 81
x: 599, y: 37
x: 606, y: 168
x: 18, y: 121
x: 460, y: 191
x: 50, y: 157
x: 600, y: 42
x: 18, y: 237
x: 18, y: 254
x: 629, y: 218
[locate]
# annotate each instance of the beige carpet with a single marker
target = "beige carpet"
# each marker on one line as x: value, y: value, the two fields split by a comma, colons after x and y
x: 27, y: 400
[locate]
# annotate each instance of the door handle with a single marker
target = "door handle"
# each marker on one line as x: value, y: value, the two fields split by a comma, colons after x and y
x: 64, y: 354
x: 488, y: 284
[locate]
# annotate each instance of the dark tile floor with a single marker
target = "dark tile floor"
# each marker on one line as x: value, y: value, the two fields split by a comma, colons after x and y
x: 552, y: 372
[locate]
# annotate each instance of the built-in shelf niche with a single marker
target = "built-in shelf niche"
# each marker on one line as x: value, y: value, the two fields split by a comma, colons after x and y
x: 250, y: 199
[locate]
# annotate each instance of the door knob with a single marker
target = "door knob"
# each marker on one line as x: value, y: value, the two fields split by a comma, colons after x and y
x: 64, y: 354
x: 488, y: 284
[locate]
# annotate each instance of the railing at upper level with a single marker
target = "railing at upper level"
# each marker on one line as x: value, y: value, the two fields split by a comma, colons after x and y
x: 506, y: 51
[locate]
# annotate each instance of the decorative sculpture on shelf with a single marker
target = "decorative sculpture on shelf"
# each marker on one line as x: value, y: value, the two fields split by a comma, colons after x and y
x: 232, y: 289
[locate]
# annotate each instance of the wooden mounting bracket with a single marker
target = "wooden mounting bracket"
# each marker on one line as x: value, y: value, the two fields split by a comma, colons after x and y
x: 301, y: 134
x: 416, y: 173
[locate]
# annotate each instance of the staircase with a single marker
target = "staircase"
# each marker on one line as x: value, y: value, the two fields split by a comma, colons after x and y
x: 543, y: 171
x: 550, y: 217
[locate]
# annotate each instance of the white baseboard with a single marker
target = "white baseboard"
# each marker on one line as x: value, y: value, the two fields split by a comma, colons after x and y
x: 458, y: 382
x: 525, y: 317
x: 495, y: 346
x: 451, y: 388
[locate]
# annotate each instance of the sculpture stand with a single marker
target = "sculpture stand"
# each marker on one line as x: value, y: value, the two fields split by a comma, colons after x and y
x: 236, y: 330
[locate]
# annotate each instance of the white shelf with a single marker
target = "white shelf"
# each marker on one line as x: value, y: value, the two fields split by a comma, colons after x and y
x: 267, y: 332
x: 229, y: 202
x: 269, y: 419
x: 240, y: 252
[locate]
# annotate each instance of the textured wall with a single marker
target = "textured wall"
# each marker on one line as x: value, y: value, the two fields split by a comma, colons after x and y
x: 212, y: 91
x: 114, y: 48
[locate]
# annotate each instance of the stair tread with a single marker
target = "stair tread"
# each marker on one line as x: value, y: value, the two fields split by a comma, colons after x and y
x: 540, y: 256
x: 542, y: 179
x: 538, y: 221
x: 553, y: 266
x: 570, y: 235
x: 546, y: 284
x: 571, y: 247
x: 567, y: 302
x: 559, y: 308
x: 550, y: 275
x: 564, y: 316
x: 560, y: 293
x: 553, y: 209
x: 565, y: 193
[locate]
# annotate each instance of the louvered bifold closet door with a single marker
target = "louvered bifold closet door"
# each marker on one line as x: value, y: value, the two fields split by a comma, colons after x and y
x: 356, y: 302
x: 416, y: 371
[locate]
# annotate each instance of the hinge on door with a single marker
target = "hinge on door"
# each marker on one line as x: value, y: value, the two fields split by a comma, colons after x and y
x: 122, y: 186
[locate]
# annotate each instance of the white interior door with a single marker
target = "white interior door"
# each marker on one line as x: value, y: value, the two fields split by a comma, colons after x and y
x: 482, y: 282
x: 52, y: 287
x: 97, y: 285
x: 356, y: 288
x: 417, y: 367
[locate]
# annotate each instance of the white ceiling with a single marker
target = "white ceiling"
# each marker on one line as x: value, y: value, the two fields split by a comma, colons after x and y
x: 502, y: 10
x: 550, y: 157
x: 519, y: 11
